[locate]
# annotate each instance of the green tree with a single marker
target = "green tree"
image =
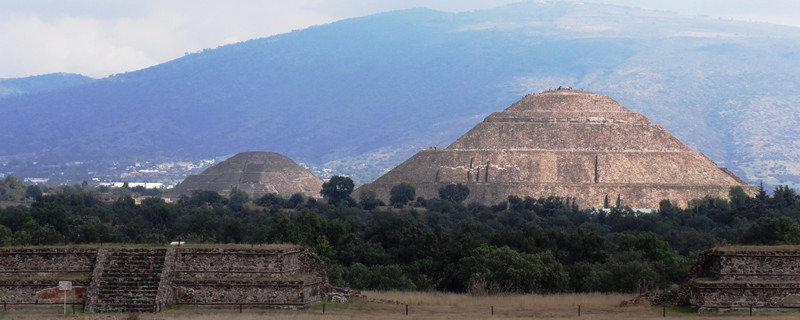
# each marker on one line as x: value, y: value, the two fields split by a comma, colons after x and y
x: 323, y: 247
x: 454, y: 193
x: 33, y: 192
x: 237, y: 200
x: 55, y: 215
x: 783, y: 197
x: 309, y: 227
x: 6, y: 236
x: 295, y: 200
x: 772, y: 231
x: 653, y: 254
x: 11, y: 188
x: 338, y: 188
x: 738, y: 198
x: 498, y: 270
x: 282, y: 229
x: 94, y: 231
x: 368, y: 200
x: 269, y: 200
x: 15, y: 217
x: 203, y: 197
x: 389, y: 277
x: 401, y: 194
x: 357, y: 276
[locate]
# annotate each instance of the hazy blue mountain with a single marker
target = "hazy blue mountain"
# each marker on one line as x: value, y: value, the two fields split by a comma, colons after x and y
x: 361, y: 95
x: 42, y: 83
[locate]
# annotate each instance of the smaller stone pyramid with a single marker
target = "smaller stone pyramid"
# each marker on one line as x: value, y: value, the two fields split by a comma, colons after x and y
x: 255, y: 173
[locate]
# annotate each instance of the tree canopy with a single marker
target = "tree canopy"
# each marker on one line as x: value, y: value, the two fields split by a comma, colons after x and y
x: 338, y: 188
x: 401, y: 194
x: 454, y: 193
x: 524, y: 244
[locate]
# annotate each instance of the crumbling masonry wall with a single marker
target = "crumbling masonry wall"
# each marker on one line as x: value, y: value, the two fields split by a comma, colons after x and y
x: 30, y: 276
x: 267, y: 278
x: 290, y: 277
x: 745, y: 277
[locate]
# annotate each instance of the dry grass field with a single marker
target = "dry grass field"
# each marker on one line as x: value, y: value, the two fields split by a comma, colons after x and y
x: 424, y: 305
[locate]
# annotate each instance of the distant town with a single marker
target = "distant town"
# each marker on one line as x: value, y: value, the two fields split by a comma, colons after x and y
x: 161, y: 175
x: 147, y: 174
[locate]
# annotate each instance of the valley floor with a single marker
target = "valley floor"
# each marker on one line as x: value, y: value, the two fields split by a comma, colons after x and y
x: 426, y: 305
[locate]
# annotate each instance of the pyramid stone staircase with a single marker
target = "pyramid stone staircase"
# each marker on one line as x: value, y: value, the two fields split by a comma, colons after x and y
x: 127, y: 280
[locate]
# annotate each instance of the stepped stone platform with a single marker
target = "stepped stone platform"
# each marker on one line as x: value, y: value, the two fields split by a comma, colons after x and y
x: 255, y: 173
x: 567, y: 143
x: 127, y: 280
x: 759, y: 277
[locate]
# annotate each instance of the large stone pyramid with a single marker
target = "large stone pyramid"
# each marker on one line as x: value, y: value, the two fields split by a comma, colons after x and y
x: 567, y: 143
x: 256, y: 173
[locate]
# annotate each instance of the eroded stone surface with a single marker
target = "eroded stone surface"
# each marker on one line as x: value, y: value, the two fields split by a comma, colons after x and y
x: 256, y: 173
x: 147, y: 280
x: 567, y: 143
x: 745, y: 277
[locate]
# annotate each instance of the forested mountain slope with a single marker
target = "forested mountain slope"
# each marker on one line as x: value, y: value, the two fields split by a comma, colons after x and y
x: 42, y: 83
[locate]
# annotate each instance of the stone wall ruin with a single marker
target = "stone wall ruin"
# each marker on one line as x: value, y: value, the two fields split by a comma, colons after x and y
x: 147, y: 280
x: 744, y: 277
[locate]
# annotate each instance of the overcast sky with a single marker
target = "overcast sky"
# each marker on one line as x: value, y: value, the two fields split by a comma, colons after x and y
x: 102, y: 37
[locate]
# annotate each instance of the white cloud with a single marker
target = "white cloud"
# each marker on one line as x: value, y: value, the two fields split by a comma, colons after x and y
x: 69, y: 44
x: 97, y: 39
x: 100, y: 37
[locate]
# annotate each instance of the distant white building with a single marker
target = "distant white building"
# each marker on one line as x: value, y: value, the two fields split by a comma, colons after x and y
x: 36, y: 180
x: 146, y: 185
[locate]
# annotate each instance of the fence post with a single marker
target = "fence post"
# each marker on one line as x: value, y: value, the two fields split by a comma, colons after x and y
x: 751, y: 311
x: 4, y: 305
x: 240, y: 308
x: 579, y: 310
x: 664, y: 311
x: 406, y: 309
x: 492, y: 310
x: 73, y: 308
x: 323, y: 308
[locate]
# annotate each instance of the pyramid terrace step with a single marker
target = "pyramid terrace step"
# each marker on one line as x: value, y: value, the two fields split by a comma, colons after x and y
x: 126, y: 302
x: 134, y: 258
x: 129, y: 301
x: 121, y: 272
x: 125, y: 292
x: 130, y: 282
x: 129, y: 290
x: 134, y: 261
x: 121, y: 309
x: 131, y: 286
x: 132, y: 277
